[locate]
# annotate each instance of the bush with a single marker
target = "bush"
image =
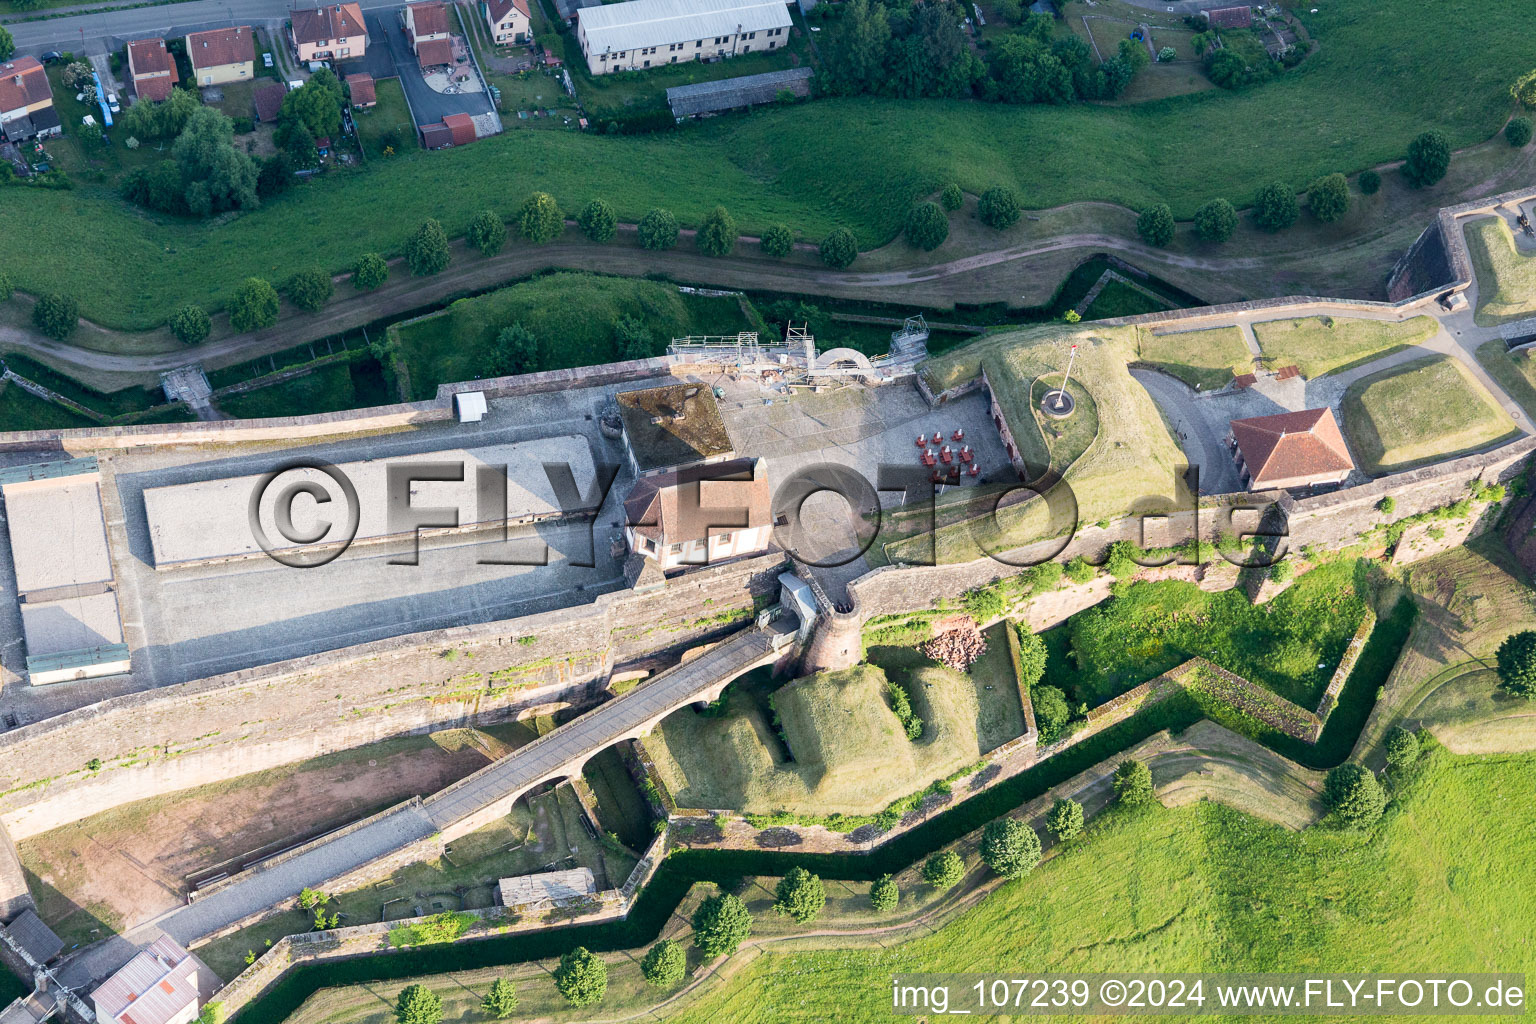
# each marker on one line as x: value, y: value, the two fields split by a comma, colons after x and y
x: 839, y: 248
x: 1274, y: 208
x: 717, y: 235
x: 1080, y: 570
x: 1328, y: 198
x: 516, y: 351
x: 598, y: 221
x: 1120, y: 560
x: 1402, y: 749
x: 1518, y: 132
x: 950, y: 197
x: 999, y: 207
x: 1051, y: 712
x: 926, y: 227
x: 1133, y: 783
x: 720, y: 925
x: 1010, y: 847
x: 1370, y: 183
x: 799, y: 895
x: 254, y: 306
x: 426, y: 251
x: 664, y: 964
x: 310, y: 289
x: 539, y: 219
x: 943, y: 870
x: 658, y: 230
x: 1215, y: 221
x: 883, y: 895
x: 501, y: 1001
x: 418, y: 1004
x: 1429, y: 157
x: 1167, y: 54
x: 56, y: 315
x: 1354, y: 796
x: 1032, y: 657
x: 370, y: 271
x: 581, y: 978
x: 1155, y: 225
x: 1386, y: 506
x: 487, y: 232
x: 778, y: 241
x: 1065, y: 820
x: 1516, y: 661
x: 190, y: 324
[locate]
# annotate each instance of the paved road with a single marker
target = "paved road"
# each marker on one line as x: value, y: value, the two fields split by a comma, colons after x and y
x: 98, y: 31
x: 427, y: 106
x: 1202, y: 444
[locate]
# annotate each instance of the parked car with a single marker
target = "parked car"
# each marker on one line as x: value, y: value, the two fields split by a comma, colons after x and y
x: 52, y: 56
x: 266, y: 59
x: 112, y: 103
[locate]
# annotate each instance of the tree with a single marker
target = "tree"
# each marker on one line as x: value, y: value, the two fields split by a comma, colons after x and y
x: 218, y: 176
x: 1065, y: 819
x: 1274, y: 208
x: 1051, y: 712
x: 310, y: 289
x: 717, y: 235
x: 1155, y: 225
x: 7, y: 44
x: 857, y: 49
x: 927, y: 226
x: 1429, y: 157
x: 839, y: 248
x: 254, y: 306
x: 1010, y: 847
x: 1370, y: 183
x: 314, y: 105
x: 56, y: 315
x: 658, y: 230
x: 632, y: 338
x: 1516, y: 661
x: 487, y: 232
x: 1402, y: 749
x: 799, y: 895
x: 598, y: 221
x: 883, y: 895
x: 1354, y: 796
x: 778, y: 241
x: 370, y: 271
x: 1215, y: 221
x: 664, y: 964
x: 581, y: 977
x: 1524, y: 89
x: 1032, y: 657
x: 190, y: 324
x: 539, y: 219
x: 516, y: 351
x: 950, y: 197
x: 999, y: 207
x: 297, y: 143
x: 501, y: 1001
x: 943, y: 870
x: 1133, y: 783
x: 426, y: 251
x: 1518, y: 132
x: 720, y: 925
x: 418, y: 1004
x: 1328, y: 198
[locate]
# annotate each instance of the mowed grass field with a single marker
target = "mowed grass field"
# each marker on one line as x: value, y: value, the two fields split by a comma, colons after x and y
x: 1506, y: 277
x: 1202, y: 359
x: 1514, y: 371
x: 1320, y: 345
x: 1384, y: 72
x: 1424, y: 410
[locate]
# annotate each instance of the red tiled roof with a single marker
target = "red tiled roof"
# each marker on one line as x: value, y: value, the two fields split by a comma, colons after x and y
x: 269, y: 100
x: 436, y: 136
x: 684, y: 504
x: 361, y: 88
x: 329, y: 22
x: 219, y: 46
x: 23, y: 83
x: 498, y: 9
x: 432, y: 52
x: 1230, y: 17
x: 150, y: 57
x: 1292, y: 445
x: 430, y: 18
x: 462, y: 126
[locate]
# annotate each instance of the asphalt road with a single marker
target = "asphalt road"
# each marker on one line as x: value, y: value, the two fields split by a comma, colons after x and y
x: 427, y: 106
x: 95, y: 32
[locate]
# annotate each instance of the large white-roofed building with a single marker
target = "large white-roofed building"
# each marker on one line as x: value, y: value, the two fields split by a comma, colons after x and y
x: 649, y: 33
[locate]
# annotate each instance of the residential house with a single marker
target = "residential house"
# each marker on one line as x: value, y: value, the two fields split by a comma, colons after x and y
x: 329, y: 32
x: 508, y: 20
x: 160, y: 985
x: 269, y: 100
x: 701, y: 515
x: 222, y: 55
x: 152, y: 69
x: 1229, y: 17
x: 646, y: 33
x: 1290, y: 450
x: 426, y: 25
x: 26, y: 101
x: 361, y: 91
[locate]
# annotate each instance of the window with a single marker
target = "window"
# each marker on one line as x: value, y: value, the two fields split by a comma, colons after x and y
x: 751, y: 35
x: 675, y: 549
x: 674, y: 60
x: 647, y: 63
x: 744, y: 49
x: 770, y: 44
x: 698, y: 44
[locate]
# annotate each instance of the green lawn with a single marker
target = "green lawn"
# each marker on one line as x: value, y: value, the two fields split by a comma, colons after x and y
x: 388, y: 123
x: 22, y: 410
x: 1202, y: 359
x: 1323, y: 344
x: 1514, y: 371
x: 1506, y: 278
x: 1422, y: 411
x: 352, y: 384
x: 1119, y: 299
x: 1379, y: 78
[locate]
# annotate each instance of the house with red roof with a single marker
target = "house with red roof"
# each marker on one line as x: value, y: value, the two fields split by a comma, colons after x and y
x: 702, y: 514
x: 361, y: 91
x: 1229, y: 17
x: 222, y: 55
x: 1290, y: 450
x: 26, y: 101
x: 426, y: 26
x: 162, y: 984
x: 329, y: 32
x: 151, y: 68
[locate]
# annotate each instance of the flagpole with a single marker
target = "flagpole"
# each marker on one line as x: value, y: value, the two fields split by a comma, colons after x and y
x: 1061, y: 396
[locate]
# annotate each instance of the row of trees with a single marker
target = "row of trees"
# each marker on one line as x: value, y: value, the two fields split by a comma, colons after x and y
x: 927, y: 223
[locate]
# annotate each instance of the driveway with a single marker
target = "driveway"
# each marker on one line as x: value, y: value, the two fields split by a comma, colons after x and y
x: 1199, y: 436
x: 427, y: 107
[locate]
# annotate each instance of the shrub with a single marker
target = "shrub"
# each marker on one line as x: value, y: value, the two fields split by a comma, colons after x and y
x: 1065, y: 819
x: 1328, y: 198
x: 944, y: 869
x: 950, y: 197
x: 1370, y: 183
x: 999, y: 207
x: 658, y: 230
x: 254, y: 306
x: 778, y: 241
x: 1155, y: 225
x: 1051, y: 712
x: 1274, y: 208
x: 56, y: 315
x: 1080, y: 570
x: 1429, y: 157
x: 370, y: 271
x: 1120, y: 560
x: 1402, y: 749
x: 310, y: 289
x: 839, y: 248
x: 190, y: 324
x: 1215, y: 221
x: 926, y: 227
x: 720, y: 925
x: 799, y: 895
x: 487, y: 232
x: 717, y: 235
x: 598, y: 221
x: 426, y: 251
x: 1167, y: 54
x: 501, y: 1001
x: 883, y: 895
x: 1010, y: 847
x: 1354, y: 796
x: 516, y: 351
x: 1516, y: 661
x: 1133, y: 783
x: 539, y: 219
x: 1032, y: 656
x: 1518, y: 132
x: 581, y: 978
x: 664, y: 964
x: 1386, y: 506
x: 632, y: 338
x: 418, y: 1004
